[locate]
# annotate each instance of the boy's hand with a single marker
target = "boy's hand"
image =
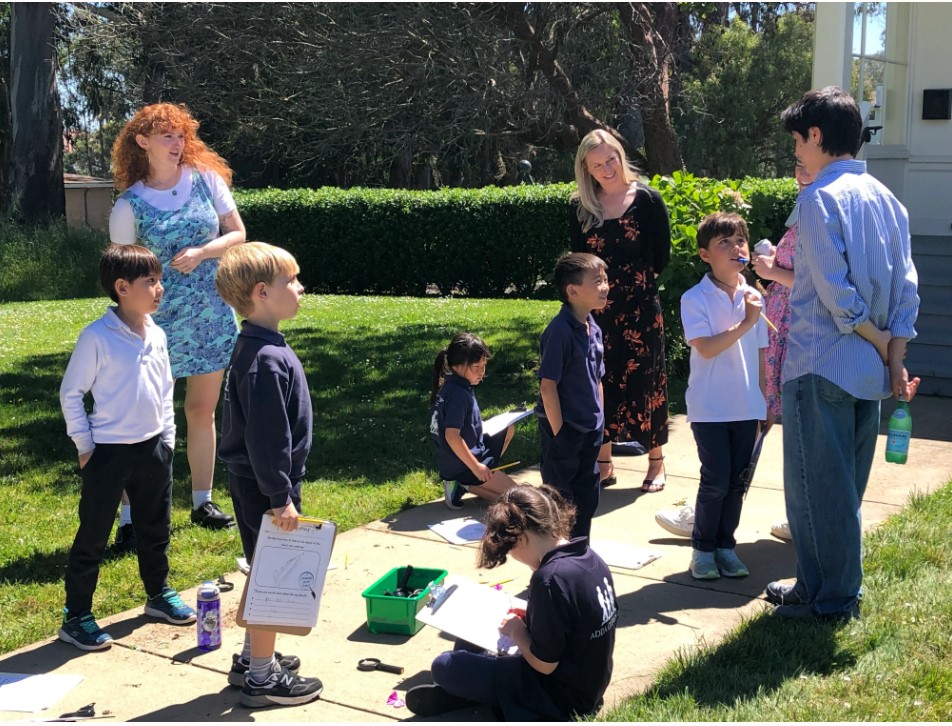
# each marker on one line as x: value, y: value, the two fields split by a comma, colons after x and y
x: 84, y: 458
x: 482, y: 472
x: 753, y: 307
x: 286, y: 518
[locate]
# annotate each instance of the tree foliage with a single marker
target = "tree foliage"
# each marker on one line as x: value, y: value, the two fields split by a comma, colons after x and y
x: 739, y: 83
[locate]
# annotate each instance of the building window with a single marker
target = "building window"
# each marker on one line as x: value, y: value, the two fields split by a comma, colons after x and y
x: 880, y: 76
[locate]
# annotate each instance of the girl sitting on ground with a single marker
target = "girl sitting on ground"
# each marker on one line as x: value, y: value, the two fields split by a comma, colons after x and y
x: 464, y: 456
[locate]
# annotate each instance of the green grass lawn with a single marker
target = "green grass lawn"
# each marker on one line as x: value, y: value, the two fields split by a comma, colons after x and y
x: 893, y: 665
x: 369, y: 363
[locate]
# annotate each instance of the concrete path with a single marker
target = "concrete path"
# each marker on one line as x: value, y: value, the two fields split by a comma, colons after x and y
x: 155, y: 673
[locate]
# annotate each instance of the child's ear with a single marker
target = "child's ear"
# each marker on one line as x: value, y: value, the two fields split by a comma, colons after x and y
x: 260, y: 291
x: 704, y: 254
x: 571, y: 290
x: 122, y: 287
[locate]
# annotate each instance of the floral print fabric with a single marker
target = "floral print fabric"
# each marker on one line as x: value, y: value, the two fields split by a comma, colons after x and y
x: 777, y: 310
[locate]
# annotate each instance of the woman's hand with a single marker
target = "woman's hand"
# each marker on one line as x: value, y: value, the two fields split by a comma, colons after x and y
x: 188, y: 259
x: 764, y: 266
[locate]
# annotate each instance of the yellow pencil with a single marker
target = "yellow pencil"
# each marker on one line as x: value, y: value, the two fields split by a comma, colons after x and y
x: 506, y: 466
x: 767, y: 320
x: 312, y: 520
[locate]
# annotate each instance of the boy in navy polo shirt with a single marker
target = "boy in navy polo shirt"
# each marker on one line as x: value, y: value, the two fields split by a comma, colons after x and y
x: 571, y: 405
x: 265, y: 440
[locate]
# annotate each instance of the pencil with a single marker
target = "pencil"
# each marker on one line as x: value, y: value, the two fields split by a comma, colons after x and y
x: 508, y: 466
x: 312, y: 520
x: 767, y: 320
x: 503, y: 582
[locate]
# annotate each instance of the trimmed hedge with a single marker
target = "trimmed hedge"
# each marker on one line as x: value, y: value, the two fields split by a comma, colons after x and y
x: 481, y: 242
x: 486, y: 242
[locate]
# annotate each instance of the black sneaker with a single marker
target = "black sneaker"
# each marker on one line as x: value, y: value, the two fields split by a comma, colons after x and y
x: 777, y: 593
x: 283, y: 688
x: 432, y: 700
x: 236, y: 676
x: 209, y: 515
x: 125, y: 542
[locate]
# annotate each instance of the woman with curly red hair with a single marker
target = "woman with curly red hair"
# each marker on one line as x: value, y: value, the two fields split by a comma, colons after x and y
x: 175, y: 200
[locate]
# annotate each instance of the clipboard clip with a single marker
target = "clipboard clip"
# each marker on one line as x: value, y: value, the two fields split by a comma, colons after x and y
x: 439, y: 595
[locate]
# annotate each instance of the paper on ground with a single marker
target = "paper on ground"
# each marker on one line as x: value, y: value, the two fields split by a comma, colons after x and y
x: 502, y: 421
x: 459, y: 531
x: 25, y: 692
x: 627, y: 557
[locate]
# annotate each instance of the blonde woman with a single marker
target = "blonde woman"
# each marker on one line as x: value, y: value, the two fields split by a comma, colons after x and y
x: 615, y: 216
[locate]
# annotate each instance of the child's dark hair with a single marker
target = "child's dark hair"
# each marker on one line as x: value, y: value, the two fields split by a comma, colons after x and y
x: 834, y: 112
x: 571, y: 268
x: 126, y: 262
x: 720, y: 224
x: 464, y: 350
x: 520, y: 510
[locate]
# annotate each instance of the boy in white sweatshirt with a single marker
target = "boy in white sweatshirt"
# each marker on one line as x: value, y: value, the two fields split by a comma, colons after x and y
x: 124, y: 444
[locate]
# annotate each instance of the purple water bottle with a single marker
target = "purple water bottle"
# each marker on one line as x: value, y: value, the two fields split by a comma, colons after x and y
x: 209, y: 616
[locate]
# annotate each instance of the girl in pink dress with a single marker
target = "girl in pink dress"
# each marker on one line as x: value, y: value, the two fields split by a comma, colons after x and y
x: 778, y: 268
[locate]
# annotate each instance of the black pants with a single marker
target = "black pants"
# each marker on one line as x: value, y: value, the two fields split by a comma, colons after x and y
x: 144, y: 471
x: 570, y: 464
x: 724, y: 450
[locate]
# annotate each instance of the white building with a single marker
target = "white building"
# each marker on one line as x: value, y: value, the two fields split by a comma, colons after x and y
x: 909, y: 142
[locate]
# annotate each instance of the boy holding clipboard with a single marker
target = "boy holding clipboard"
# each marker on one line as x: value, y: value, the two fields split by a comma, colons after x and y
x: 265, y: 440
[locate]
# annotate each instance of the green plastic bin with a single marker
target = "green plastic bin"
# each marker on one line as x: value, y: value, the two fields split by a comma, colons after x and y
x: 388, y: 614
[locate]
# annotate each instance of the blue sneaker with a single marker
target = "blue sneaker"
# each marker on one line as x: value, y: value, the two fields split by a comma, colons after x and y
x: 83, y: 632
x: 453, y: 493
x: 169, y: 606
x: 703, y: 566
x: 729, y: 563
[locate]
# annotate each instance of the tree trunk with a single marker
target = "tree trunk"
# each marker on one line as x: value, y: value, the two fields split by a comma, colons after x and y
x: 650, y: 30
x: 37, y: 157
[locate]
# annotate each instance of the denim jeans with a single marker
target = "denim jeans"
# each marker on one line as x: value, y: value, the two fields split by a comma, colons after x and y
x: 828, y: 442
x: 724, y: 448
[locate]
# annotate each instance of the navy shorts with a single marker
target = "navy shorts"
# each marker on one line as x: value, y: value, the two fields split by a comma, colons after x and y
x: 250, y: 505
x: 493, y: 454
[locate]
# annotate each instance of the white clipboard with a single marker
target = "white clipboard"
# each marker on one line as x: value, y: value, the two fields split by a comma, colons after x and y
x: 283, y: 589
x: 473, y: 613
x: 502, y: 421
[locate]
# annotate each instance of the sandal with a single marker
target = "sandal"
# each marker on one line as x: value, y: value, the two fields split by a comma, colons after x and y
x: 611, y: 478
x: 656, y: 484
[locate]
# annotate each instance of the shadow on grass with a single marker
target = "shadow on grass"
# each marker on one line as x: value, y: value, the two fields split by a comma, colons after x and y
x: 759, y: 657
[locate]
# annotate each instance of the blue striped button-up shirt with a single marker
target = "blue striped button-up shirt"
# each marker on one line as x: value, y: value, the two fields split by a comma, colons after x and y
x: 853, y: 263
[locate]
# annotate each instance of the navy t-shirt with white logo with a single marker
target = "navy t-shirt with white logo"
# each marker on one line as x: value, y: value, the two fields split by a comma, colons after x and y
x: 456, y: 408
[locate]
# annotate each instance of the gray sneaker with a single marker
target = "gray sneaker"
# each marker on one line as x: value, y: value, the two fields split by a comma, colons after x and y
x: 781, y: 594
x: 703, y: 566
x: 729, y: 563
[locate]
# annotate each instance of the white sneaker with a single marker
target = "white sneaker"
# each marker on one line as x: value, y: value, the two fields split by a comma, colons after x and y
x: 781, y: 530
x: 679, y: 522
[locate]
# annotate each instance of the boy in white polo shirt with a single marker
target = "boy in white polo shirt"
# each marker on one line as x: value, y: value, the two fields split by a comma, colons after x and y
x: 725, y: 397
x: 125, y: 443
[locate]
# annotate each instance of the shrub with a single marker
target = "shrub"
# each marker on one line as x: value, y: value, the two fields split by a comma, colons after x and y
x: 49, y: 262
x: 771, y: 201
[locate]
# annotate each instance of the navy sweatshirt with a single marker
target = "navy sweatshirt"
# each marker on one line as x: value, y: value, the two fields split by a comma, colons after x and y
x: 267, y: 421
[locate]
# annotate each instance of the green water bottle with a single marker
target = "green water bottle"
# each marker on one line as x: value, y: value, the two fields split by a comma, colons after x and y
x: 898, y: 433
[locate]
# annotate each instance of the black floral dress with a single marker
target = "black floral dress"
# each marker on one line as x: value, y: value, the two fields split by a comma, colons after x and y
x: 635, y: 247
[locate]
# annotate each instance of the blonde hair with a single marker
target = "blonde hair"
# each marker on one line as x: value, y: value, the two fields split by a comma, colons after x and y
x: 590, y: 212
x: 244, y: 266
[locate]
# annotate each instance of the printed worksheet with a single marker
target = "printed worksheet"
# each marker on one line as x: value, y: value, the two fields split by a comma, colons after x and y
x: 287, y: 574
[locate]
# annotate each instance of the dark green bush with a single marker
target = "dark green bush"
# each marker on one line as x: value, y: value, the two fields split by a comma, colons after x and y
x: 484, y: 242
x: 49, y: 262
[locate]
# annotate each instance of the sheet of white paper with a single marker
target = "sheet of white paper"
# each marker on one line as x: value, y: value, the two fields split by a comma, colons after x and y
x: 502, y: 421
x: 287, y: 574
x: 460, y: 531
x: 31, y: 693
x: 627, y: 557
x: 473, y: 612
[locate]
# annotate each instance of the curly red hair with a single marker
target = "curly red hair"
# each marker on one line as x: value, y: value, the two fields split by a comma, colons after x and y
x: 129, y: 161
